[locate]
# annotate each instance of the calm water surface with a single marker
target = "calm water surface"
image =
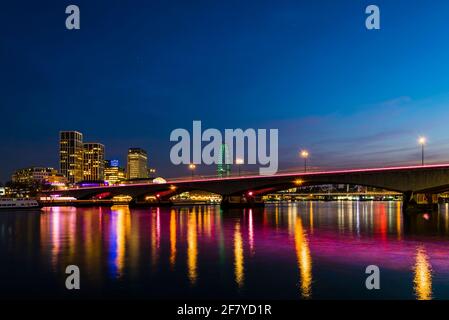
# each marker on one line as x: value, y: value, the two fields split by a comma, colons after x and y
x: 308, y: 250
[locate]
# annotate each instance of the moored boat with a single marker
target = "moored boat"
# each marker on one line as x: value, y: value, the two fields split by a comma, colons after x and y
x: 19, y: 204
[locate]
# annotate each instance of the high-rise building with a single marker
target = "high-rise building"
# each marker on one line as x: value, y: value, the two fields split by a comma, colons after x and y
x: 137, y: 164
x: 224, y: 162
x: 93, y: 166
x: 113, y: 173
x: 71, y: 155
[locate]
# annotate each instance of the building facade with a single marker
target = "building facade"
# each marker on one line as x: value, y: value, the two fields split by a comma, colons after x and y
x: 71, y: 155
x: 137, y: 167
x: 113, y: 173
x: 93, y: 164
x: 56, y: 180
x: 33, y: 175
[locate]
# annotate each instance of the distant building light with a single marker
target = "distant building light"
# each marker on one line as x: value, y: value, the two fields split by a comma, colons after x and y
x: 57, y: 184
x: 92, y: 184
x: 159, y: 180
x: 114, y: 163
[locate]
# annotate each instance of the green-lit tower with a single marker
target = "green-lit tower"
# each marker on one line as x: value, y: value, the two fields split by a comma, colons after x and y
x: 224, y: 162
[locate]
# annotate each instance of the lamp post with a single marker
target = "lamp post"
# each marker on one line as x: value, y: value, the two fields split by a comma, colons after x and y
x: 305, y: 154
x: 192, y: 168
x: 239, y: 162
x: 422, y: 142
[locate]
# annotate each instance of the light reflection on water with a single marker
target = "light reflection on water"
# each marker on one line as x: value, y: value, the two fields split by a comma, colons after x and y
x: 423, y: 275
x: 173, y: 239
x: 304, y: 259
x: 238, y: 257
x: 192, y: 249
x: 307, y: 250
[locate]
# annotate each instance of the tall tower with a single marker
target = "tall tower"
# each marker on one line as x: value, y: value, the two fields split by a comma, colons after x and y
x: 71, y: 155
x: 224, y: 162
x: 93, y: 165
x: 137, y: 164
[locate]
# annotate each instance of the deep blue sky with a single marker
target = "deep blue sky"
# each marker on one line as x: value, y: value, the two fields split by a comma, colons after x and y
x: 139, y: 69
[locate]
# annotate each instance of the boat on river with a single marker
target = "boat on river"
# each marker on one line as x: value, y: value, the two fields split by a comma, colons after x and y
x: 19, y: 204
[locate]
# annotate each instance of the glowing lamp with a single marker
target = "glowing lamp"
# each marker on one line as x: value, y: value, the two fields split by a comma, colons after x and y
x: 304, y: 153
x: 422, y: 140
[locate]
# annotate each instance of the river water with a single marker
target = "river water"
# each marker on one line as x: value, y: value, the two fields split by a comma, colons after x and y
x: 305, y: 250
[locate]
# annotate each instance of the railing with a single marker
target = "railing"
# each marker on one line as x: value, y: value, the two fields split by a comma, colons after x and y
x: 243, y: 174
x: 299, y: 171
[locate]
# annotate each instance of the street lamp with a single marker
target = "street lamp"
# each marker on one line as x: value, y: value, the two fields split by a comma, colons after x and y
x: 192, y: 168
x: 422, y: 141
x: 239, y: 162
x: 305, y: 154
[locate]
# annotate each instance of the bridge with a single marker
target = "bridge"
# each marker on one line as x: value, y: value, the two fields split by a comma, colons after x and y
x: 420, y: 185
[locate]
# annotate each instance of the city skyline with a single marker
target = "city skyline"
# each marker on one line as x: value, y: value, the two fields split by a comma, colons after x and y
x: 81, y: 161
x: 366, y: 101
x: 223, y: 158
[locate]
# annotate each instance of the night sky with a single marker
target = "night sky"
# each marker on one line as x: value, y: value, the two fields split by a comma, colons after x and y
x: 139, y: 69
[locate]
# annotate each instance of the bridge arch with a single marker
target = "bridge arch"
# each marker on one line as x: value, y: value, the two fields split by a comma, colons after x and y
x: 273, y: 187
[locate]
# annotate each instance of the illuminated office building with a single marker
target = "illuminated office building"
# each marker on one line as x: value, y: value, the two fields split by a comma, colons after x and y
x: 93, y: 165
x: 113, y: 173
x: 33, y: 175
x: 137, y: 164
x: 71, y: 155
